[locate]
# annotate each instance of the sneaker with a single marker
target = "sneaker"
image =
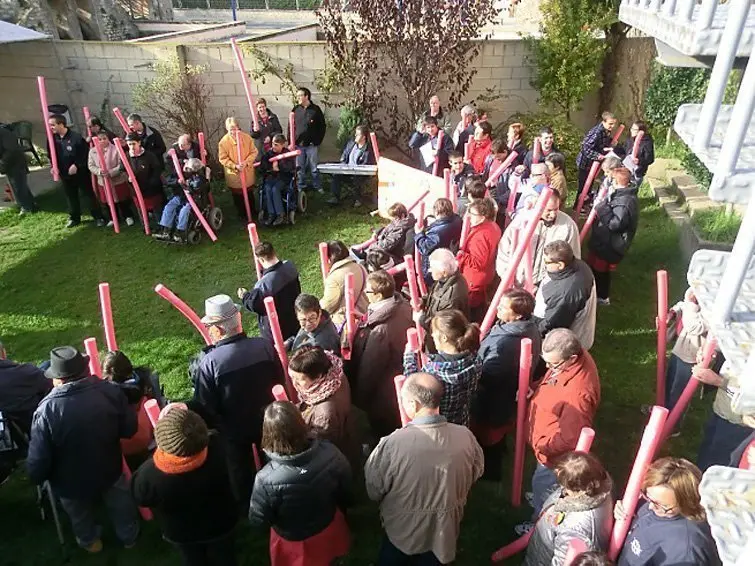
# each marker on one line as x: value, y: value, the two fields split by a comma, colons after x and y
x: 110, y: 224
x: 333, y: 201
x: 523, y: 528
x: 280, y: 219
x: 94, y: 548
x: 321, y: 191
x: 99, y: 223
x: 604, y: 302
x: 529, y: 497
x: 23, y: 212
x: 357, y: 203
x: 129, y: 221
x: 72, y: 223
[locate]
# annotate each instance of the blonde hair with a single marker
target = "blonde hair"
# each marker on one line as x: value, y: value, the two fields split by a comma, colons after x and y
x: 231, y: 121
x: 683, y: 478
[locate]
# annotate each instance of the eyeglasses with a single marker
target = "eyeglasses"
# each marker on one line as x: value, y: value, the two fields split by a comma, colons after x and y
x: 553, y: 366
x: 369, y: 292
x: 311, y: 318
x: 663, y: 508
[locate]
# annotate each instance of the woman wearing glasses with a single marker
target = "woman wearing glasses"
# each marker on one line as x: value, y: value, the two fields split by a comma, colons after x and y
x: 670, y: 527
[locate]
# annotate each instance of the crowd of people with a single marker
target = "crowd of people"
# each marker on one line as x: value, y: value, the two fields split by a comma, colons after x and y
x: 292, y: 466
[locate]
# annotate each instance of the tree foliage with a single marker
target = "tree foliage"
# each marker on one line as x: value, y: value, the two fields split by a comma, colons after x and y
x: 669, y: 88
x: 386, y: 58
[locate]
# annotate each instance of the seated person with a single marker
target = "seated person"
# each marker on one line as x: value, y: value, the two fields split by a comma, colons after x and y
x: 277, y: 177
x: 460, y: 171
x: 498, y: 154
x: 185, y: 148
x: 148, y: 170
x: 356, y: 152
x: 428, y: 133
x: 474, y: 189
x: 316, y: 327
x: 556, y: 164
x: 397, y: 238
x: 178, y: 205
x: 444, y: 231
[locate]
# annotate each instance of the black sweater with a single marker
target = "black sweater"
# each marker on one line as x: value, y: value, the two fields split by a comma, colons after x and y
x: 615, y: 225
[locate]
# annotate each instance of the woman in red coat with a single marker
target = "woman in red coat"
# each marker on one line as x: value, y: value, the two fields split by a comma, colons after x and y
x: 477, y: 256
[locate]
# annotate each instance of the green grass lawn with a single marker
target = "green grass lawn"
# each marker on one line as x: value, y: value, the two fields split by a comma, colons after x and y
x: 48, y: 297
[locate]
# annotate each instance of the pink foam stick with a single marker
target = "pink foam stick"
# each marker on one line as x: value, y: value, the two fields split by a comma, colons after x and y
x: 500, y: 169
x: 411, y: 276
x: 288, y: 154
x: 689, y: 390
x: 48, y: 131
x: 190, y: 199
x: 529, y: 284
x: 279, y: 393
x: 122, y: 120
x: 134, y: 184
x: 247, y: 85
x: 536, y: 151
x: 593, y: 214
x: 586, y: 436
x: 513, y: 548
x: 398, y: 268
x: 419, y: 200
x: 366, y: 244
x: 508, y: 279
x: 375, y: 147
x: 465, y: 227
x: 324, y: 263
x: 107, y: 317
x: 661, y: 278
x: 512, y: 197
x: 152, y: 409
x: 650, y: 440
x: 242, y: 174
x: 636, y: 145
x: 254, y: 239
x: 90, y: 347
x: 185, y: 310
x: 576, y: 547
x: 87, y: 116
x: 398, y: 383
x: 349, y: 297
x: 202, y: 148
x: 617, y: 135
x: 447, y: 183
x: 280, y: 346
x: 109, y: 194
x: 292, y: 130
x: 256, y: 456
x: 525, y: 372
x: 588, y: 183
x: 437, y: 153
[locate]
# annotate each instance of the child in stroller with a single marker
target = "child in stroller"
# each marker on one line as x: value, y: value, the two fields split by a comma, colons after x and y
x: 277, y: 184
x: 178, y: 205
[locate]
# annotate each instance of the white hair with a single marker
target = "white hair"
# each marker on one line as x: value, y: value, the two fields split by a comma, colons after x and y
x: 562, y: 342
x: 445, y: 260
x: 230, y: 326
x: 539, y: 168
x: 184, y: 137
x: 468, y: 110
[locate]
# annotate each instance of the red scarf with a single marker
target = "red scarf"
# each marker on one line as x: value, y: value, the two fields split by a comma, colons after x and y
x: 170, y: 464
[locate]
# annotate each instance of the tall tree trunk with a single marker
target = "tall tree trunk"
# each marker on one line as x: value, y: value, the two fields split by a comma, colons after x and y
x: 615, y: 36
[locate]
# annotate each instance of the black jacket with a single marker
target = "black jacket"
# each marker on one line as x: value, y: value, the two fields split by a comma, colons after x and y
x: 12, y: 158
x: 325, y: 336
x: 528, y: 160
x: 459, y: 179
x: 645, y: 155
x: 183, y: 155
x: 310, y: 125
x: 521, y: 153
x: 494, y: 404
x: 22, y: 387
x: 397, y: 238
x: 267, y: 129
x: 418, y: 140
x: 280, y: 281
x: 75, y: 438
x: 445, y: 232
x: 192, y: 507
x: 152, y: 141
x: 147, y: 170
x: 286, y: 167
x: 566, y: 293
x: 364, y: 157
x: 233, y: 383
x: 464, y: 137
x: 615, y: 225
x: 298, y: 495
x: 71, y: 149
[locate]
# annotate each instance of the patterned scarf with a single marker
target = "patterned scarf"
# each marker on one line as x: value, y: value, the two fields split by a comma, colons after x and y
x: 325, y: 386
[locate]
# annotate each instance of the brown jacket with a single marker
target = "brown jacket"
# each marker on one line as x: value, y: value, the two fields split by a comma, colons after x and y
x: 335, y: 285
x: 228, y: 157
x: 421, y: 475
x: 558, y: 184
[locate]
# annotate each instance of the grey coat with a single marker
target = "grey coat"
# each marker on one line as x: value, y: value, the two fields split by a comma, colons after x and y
x: 565, y: 518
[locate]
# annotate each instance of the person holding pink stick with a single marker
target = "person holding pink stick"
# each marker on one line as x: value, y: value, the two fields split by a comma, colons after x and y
x: 151, y: 140
x: 432, y: 146
x: 113, y: 168
x: 228, y: 155
x: 269, y: 125
x: 334, y: 287
x: 148, y: 170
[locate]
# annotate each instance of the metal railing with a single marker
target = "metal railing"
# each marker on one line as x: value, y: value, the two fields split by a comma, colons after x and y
x: 248, y: 4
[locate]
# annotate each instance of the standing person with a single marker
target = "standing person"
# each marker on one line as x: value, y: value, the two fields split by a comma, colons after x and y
x: 95, y: 126
x: 301, y: 493
x: 421, y: 475
x: 82, y: 462
x: 594, y: 147
x: 13, y: 165
x: 483, y: 138
x: 612, y: 232
x: 515, y: 142
x: 646, y: 154
x: 494, y: 404
x: 556, y: 164
x: 233, y: 380
x: 186, y: 149
x: 377, y: 353
x: 186, y: 484
x: 465, y: 128
x: 277, y: 178
x: 310, y: 131
x: 152, y: 140
x: 477, y: 256
x: 317, y: 329
x: 357, y: 152
x: 148, y: 172
x: 280, y: 280
x: 114, y: 169
x: 427, y: 136
x: 564, y: 402
x: 455, y: 364
x: 547, y: 147
x: 72, y: 153
x: 448, y: 291
x: 228, y: 156
x: 580, y: 510
x: 333, y: 296
x: 444, y: 231
x: 269, y: 125
x: 435, y: 110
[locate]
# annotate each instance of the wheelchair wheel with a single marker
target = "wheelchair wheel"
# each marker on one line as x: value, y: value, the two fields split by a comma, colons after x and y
x: 215, y: 218
x: 194, y: 236
x: 302, y: 202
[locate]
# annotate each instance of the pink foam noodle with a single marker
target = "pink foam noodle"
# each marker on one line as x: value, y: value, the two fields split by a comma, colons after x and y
x: 419, y: 200
x: 498, y: 171
x: 350, y: 329
x: 437, y: 154
x: 109, y: 193
x: 245, y: 82
x: 291, y: 130
x: 411, y: 276
x: 536, y: 151
x: 366, y: 244
x: 48, y: 131
x: 280, y: 346
x: 242, y: 174
x: 576, y: 547
x: 107, y: 316
x: 398, y: 268
x: 189, y: 198
x: 689, y: 390
x: 375, y: 147
x: 87, y: 116
x: 121, y: 120
x: 525, y: 371
x: 152, y: 409
x: 508, y: 279
x: 617, y: 135
x: 593, y: 214
x: 398, y: 383
x: 513, y: 548
x: 529, y: 284
x: 465, y: 227
x: 636, y: 145
x: 185, y: 310
x: 279, y: 393
x: 650, y: 440
x: 254, y: 239
x: 447, y: 184
x: 90, y: 347
x: 134, y: 185
x: 202, y: 148
x: 588, y: 183
x: 324, y: 262
x: 468, y: 150
x: 586, y: 437
x: 256, y: 456
x: 288, y: 154
x: 661, y: 278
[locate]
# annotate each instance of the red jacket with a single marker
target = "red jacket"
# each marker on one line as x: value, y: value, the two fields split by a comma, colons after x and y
x: 563, y: 403
x: 477, y: 260
x: 480, y: 151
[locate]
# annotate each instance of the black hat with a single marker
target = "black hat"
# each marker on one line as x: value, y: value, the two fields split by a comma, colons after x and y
x: 67, y: 362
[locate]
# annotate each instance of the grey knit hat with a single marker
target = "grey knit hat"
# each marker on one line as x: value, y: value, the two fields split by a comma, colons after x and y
x: 181, y: 432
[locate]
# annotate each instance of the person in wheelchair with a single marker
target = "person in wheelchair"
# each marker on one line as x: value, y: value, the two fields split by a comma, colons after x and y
x: 277, y: 181
x: 178, y: 206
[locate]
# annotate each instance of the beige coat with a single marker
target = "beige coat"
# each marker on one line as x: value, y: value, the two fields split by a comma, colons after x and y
x: 421, y: 475
x: 693, y: 334
x: 335, y: 285
x: 228, y: 157
x: 112, y: 163
x: 564, y: 228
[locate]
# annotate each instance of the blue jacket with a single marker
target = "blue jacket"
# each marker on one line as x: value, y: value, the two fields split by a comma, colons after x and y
x: 280, y: 281
x: 365, y: 156
x: 75, y: 438
x: 658, y: 541
x: 445, y: 232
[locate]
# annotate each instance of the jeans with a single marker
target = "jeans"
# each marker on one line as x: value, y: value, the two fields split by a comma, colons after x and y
x: 678, y: 373
x: 356, y: 182
x: 720, y: 439
x: 20, y: 186
x: 392, y: 556
x: 308, y: 160
x: 120, y: 506
x: 221, y: 552
x: 582, y: 175
x: 544, y: 482
x: 72, y: 186
x: 273, y: 190
x: 175, y: 206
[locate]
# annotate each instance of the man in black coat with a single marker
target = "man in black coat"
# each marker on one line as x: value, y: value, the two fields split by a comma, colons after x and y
x: 429, y: 133
x: 152, y: 140
x: 13, y: 166
x: 22, y: 387
x: 72, y: 156
x: 357, y: 152
x: 75, y: 445
x: 148, y: 172
x: 233, y: 381
x: 309, y: 131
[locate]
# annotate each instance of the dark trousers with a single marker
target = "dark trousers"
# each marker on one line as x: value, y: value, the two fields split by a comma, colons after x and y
x: 720, y: 439
x: 221, y: 552
x: 582, y: 175
x: 72, y: 186
x: 602, y: 284
x: 392, y: 556
x: 238, y: 201
x: 20, y: 186
x: 678, y: 374
x: 241, y: 471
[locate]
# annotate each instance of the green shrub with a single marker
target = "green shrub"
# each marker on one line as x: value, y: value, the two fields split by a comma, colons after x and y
x: 671, y: 87
x: 716, y: 225
x: 349, y: 119
x: 693, y: 166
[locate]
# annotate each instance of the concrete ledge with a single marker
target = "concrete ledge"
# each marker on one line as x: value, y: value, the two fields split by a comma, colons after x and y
x: 198, y: 33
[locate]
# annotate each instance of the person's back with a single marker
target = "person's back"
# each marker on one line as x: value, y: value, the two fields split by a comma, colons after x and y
x: 11, y: 154
x: 22, y: 387
x: 280, y: 280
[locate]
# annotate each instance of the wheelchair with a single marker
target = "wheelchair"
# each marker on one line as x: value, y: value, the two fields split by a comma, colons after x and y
x: 294, y: 201
x: 211, y: 213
